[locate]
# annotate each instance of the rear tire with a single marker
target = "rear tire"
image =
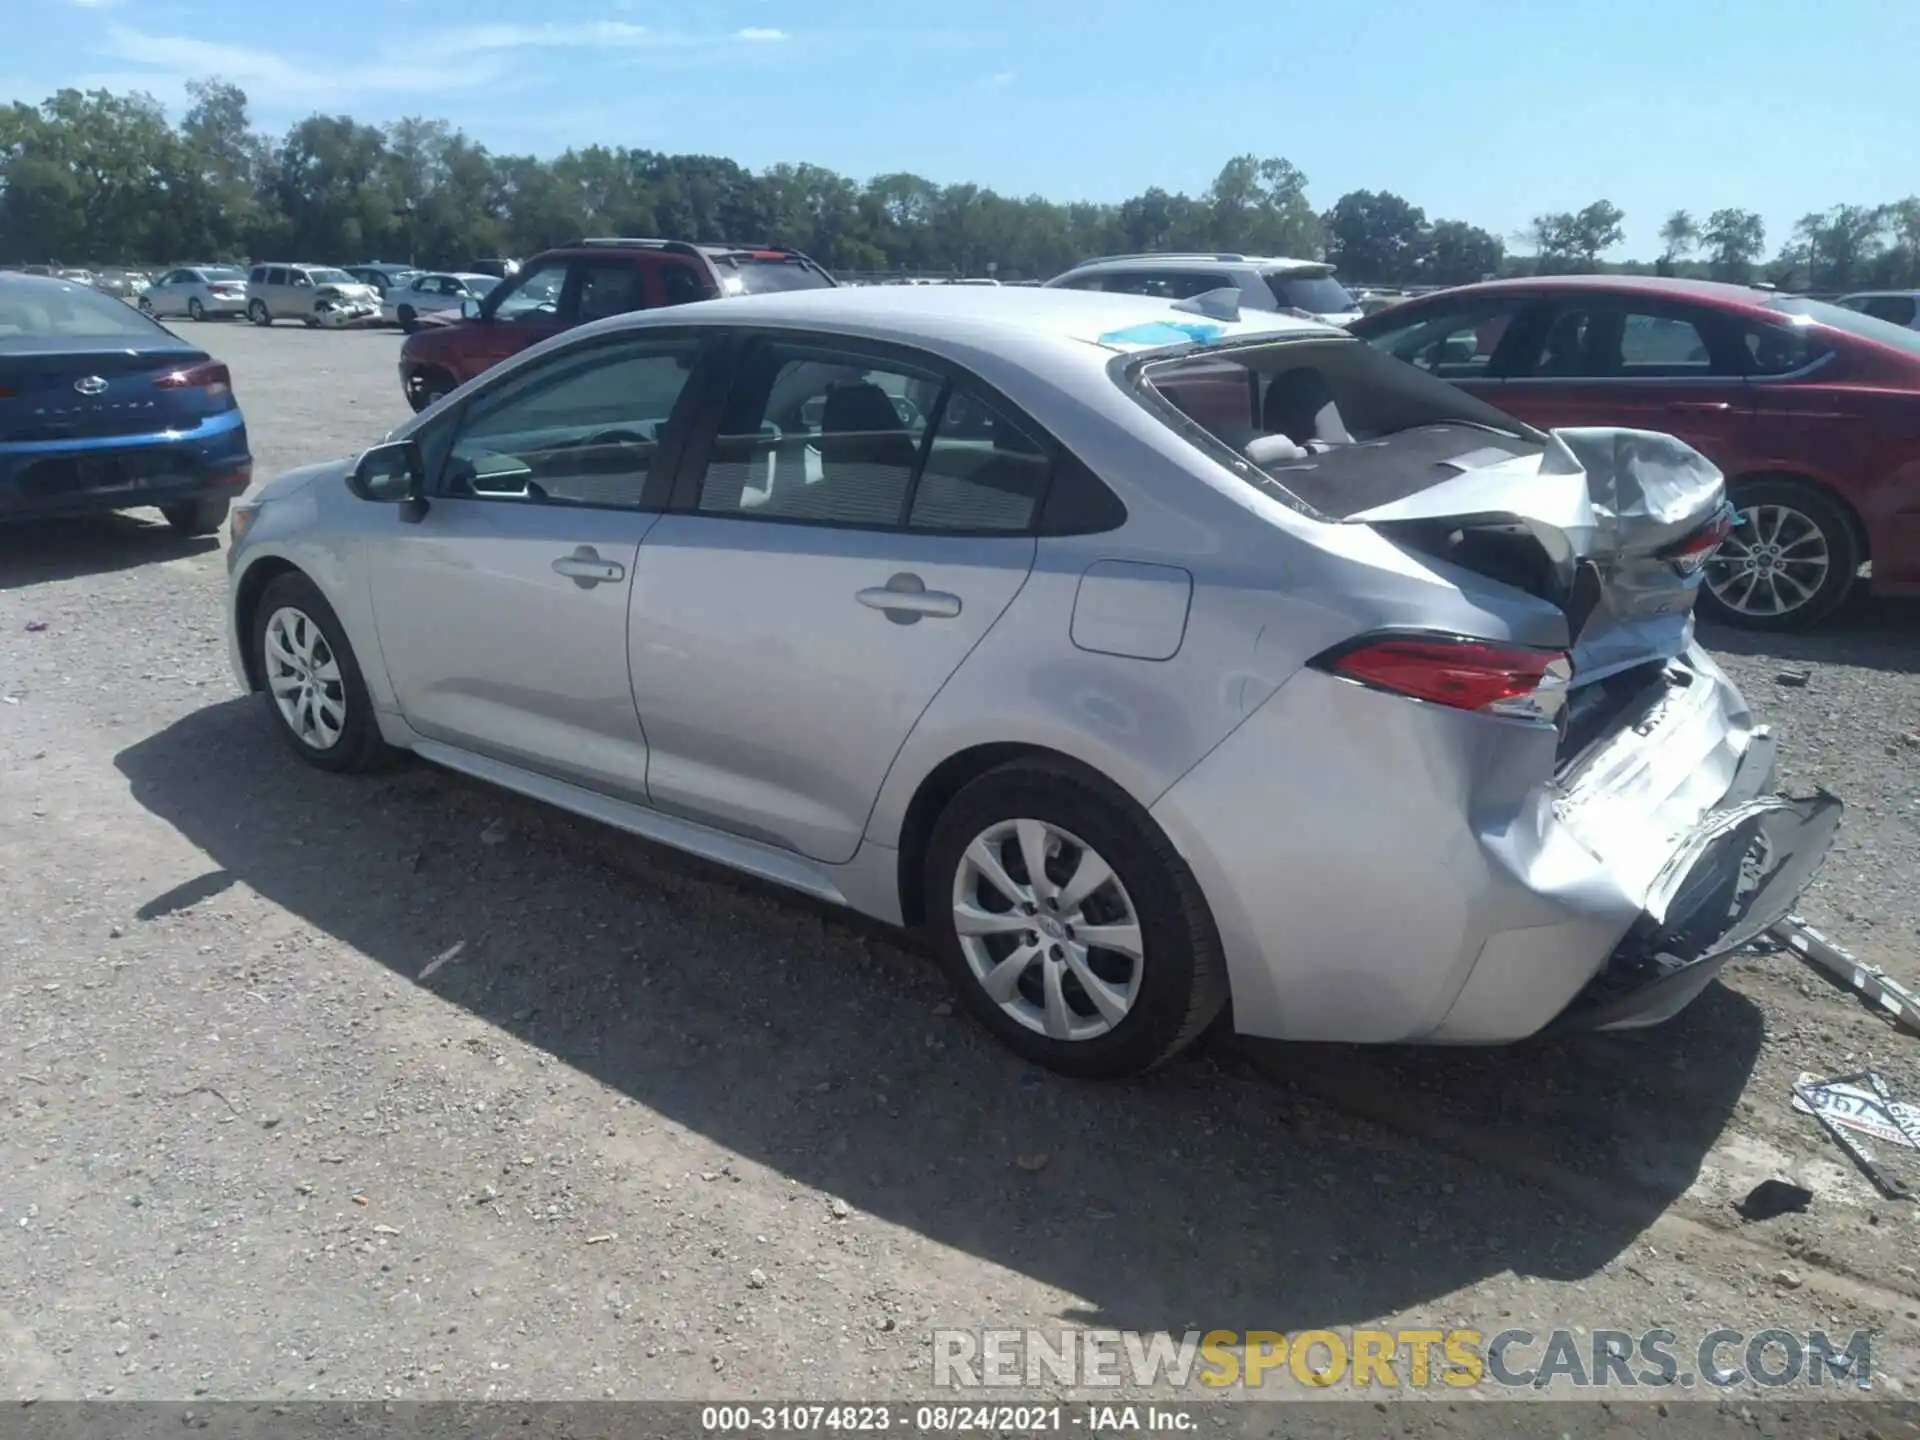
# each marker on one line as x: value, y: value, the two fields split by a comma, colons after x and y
x: 195, y: 310
x: 259, y: 314
x: 1151, y: 1004
x: 433, y: 388
x: 197, y: 517
x: 308, y: 667
x: 1790, y: 562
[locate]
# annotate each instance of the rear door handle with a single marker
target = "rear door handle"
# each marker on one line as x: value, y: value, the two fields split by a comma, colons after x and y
x: 586, y: 569
x: 905, y: 599
x: 1700, y: 407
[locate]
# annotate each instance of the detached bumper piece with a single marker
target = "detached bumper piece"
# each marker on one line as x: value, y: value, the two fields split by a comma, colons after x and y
x: 1736, y: 878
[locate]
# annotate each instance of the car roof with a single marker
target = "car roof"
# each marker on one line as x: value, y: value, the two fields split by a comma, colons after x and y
x: 962, y: 317
x: 1878, y: 294
x: 1713, y: 291
x: 1202, y: 257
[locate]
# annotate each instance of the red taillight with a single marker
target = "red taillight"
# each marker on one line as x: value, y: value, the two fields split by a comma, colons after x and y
x: 1693, y: 552
x: 1460, y: 673
x: 212, y: 377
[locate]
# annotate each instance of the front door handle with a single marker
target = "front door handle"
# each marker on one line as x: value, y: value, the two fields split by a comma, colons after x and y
x: 905, y: 599
x: 586, y: 569
x: 1700, y: 407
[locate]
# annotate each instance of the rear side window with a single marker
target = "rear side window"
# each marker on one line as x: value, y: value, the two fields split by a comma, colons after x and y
x: 1333, y: 425
x: 1169, y: 284
x: 983, y: 471
x: 609, y: 289
x: 1315, y: 294
x: 682, y: 285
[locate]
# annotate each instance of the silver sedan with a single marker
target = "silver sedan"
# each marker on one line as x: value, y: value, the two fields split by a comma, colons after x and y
x: 430, y: 293
x: 199, y: 292
x: 1147, y: 656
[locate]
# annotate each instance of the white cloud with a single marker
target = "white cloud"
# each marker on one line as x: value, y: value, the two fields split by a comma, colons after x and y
x: 93, y: 4
x: 174, y: 59
x: 759, y: 32
x: 1005, y: 77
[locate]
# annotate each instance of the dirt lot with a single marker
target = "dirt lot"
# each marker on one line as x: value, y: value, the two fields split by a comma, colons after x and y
x: 652, y: 1131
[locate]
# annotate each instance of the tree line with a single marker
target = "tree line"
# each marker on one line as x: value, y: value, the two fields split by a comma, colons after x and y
x: 101, y: 178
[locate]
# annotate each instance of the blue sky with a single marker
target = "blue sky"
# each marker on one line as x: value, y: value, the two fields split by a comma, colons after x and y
x: 1483, y: 110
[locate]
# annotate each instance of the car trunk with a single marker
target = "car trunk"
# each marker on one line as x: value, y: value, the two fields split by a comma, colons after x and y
x: 67, y: 392
x: 1611, y: 526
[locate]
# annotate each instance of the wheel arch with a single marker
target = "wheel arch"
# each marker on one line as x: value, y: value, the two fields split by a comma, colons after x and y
x: 938, y: 787
x: 246, y: 605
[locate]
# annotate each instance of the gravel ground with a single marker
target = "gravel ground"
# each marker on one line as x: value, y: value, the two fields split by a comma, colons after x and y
x: 646, y: 1130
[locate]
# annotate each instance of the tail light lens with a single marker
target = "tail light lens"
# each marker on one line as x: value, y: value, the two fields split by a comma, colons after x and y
x: 212, y: 377
x: 1690, y: 556
x: 1460, y: 673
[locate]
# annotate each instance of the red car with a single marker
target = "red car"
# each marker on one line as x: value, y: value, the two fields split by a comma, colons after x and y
x: 575, y: 284
x: 1811, y: 411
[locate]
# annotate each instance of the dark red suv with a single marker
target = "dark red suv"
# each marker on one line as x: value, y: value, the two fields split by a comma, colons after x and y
x: 1811, y: 411
x: 578, y: 283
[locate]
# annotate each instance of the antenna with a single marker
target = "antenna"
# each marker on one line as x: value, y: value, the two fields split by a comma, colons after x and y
x: 1221, y: 304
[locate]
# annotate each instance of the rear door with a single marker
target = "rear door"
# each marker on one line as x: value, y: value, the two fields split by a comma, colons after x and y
x: 848, y: 525
x: 1644, y: 363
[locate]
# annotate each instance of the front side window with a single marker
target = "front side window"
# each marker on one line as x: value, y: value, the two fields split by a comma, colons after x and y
x: 534, y: 295
x: 1819, y: 312
x: 1455, y: 343
x: 1780, y: 349
x: 813, y: 434
x: 582, y: 429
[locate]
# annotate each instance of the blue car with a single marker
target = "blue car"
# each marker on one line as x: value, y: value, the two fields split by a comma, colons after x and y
x: 102, y: 409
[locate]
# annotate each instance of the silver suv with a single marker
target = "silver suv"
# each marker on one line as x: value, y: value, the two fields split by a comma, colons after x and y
x: 289, y: 292
x: 1265, y: 282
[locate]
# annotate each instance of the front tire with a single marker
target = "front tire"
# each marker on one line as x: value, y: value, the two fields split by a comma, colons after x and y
x: 408, y: 319
x: 259, y: 314
x: 312, y: 684
x: 433, y: 389
x: 1790, y: 561
x: 197, y: 517
x: 195, y: 310
x: 146, y: 307
x: 1108, y: 964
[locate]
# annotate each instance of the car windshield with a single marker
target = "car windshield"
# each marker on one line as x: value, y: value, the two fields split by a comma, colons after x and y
x: 67, y: 312
x: 757, y: 277
x: 1331, y: 424
x: 1851, y: 321
x: 331, y: 277
x: 1315, y: 294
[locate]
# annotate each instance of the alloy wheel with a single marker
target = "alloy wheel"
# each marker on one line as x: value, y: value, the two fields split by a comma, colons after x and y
x: 1047, y: 930
x: 1774, y: 562
x: 303, y: 676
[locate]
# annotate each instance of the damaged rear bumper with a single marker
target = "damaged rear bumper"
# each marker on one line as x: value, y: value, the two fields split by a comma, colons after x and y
x: 1736, y: 878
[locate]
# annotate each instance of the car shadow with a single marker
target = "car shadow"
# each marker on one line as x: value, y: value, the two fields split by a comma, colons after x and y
x: 1872, y: 632
x: 36, y: 552
x: 1246, y: 1185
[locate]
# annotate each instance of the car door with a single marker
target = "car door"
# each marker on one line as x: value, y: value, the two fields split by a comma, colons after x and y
x: 168, y: 294
x: 502, y: 611
x: 846, y: 527
x: 522, y: 312
x: 1640, y: 362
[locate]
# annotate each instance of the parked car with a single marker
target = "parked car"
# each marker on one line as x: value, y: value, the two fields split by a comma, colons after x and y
x: 103, y: 409
x: 944, y: 605
x: 200, y: 292
x: 1896, y: 307
x: 382, y: 276
x: 574, y: 284
x: 1264, y: 282
x: 126, y: 285
x: 431, y: 294
x: 315, y: 295
x: 1811, y: 410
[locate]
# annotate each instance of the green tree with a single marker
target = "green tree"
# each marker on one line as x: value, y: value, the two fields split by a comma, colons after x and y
x: 1735, y: 240
x: 1376, y: 237
x: 1678, y: 237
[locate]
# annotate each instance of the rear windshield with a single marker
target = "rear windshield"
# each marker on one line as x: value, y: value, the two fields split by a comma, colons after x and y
x: 1331, y: 424
x: 757, y: 277
x: 1851, y: 321
x: 1315, y: 294
x: 69, y: 311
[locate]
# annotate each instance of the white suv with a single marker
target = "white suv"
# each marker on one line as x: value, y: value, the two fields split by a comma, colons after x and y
x: 1265, y: 282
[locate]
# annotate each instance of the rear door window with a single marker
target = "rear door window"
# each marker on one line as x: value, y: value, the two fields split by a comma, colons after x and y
x: 1606, y: 339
